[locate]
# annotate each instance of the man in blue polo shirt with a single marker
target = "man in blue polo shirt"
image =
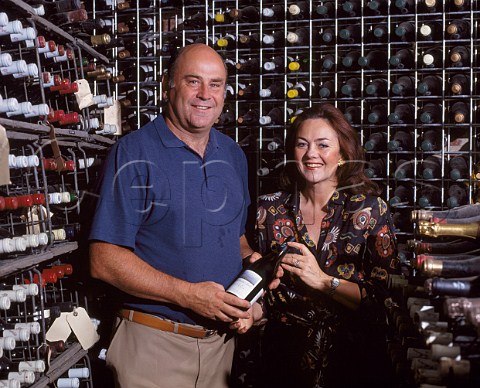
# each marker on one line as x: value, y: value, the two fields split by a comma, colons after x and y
x: 169, y: 231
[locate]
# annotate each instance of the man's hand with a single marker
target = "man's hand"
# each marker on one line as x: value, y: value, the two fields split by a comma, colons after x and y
x: 210, y: 300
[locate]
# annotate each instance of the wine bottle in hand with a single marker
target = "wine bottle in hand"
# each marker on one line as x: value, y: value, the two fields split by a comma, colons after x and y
x: 253, y: 280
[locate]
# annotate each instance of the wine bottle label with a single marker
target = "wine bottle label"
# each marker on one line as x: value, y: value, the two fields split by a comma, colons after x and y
x: 245, y: 284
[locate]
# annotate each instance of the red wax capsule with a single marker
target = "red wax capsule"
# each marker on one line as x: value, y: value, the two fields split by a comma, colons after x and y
x: 25, y: 200
x: 11, y: 203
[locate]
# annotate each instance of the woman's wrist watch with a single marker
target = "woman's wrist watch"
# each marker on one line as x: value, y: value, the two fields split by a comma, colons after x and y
x: 334, y: 283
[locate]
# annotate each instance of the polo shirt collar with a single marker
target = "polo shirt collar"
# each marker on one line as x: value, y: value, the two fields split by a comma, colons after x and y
x: 169, y: 139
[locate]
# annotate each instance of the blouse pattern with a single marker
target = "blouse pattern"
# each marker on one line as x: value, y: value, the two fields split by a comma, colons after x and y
x: 357, y: 243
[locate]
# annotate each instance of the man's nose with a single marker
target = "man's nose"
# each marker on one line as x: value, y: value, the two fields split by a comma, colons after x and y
x: 203, y: 91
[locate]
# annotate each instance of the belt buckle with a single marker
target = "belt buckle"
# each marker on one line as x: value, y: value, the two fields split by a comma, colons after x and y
x: 209, y: 333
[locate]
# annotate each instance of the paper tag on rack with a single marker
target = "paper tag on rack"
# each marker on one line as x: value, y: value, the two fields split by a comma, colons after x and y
x: 32, y: 218
x: 84, y: 95
x: 112, y: 115
x: 459, y: 144
x: 4, y: 151
x: 60, y: 329
x: 83, y: 328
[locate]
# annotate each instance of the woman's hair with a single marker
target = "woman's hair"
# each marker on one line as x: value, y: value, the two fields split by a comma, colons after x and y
x: 351, y: 174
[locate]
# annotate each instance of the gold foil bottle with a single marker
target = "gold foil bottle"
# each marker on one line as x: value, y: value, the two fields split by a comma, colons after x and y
x: 476, y: 172
x: 98, y: 71
x: 100, y: 40
x: 432, y: 229
x: 464, y: 214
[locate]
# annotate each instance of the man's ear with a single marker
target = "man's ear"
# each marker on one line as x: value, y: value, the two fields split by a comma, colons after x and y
x: 165, y: 87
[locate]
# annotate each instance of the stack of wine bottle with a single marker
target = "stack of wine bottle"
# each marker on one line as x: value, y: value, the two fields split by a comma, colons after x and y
x: 406, y: 102
x: 30, y: 304
x: 414, y: 106
x: 57, y: 80
x: 434, y: 309
x: 50, y: 86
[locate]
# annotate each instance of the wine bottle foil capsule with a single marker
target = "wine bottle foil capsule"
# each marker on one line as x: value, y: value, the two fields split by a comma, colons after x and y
x: 32, y: 366
x: 432, y: 267
x: 82, y: 373
x: 73, y: 382
x: 31, y: 289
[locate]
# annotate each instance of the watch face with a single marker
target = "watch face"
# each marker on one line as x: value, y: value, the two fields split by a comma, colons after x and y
x: 335, y: 283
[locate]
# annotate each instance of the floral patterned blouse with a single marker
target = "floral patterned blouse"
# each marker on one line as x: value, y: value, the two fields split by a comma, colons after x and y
x: 357, y: 243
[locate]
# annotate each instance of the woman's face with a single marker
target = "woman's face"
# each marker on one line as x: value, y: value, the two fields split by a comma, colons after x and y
x: 317, y: 152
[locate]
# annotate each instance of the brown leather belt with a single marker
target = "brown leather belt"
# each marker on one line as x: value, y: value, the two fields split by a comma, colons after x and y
x: 165, y: 325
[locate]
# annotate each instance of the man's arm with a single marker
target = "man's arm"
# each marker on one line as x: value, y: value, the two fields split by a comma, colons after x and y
x: 123, y: 269
x: 245, y: 249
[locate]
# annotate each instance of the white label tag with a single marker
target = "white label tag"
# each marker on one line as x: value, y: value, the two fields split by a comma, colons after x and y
x: 83, y: 327
x: 112, y: 115
x: 4, y: 151
x: 84, y: 95
x: 459, y: 144
x: 60, y: 329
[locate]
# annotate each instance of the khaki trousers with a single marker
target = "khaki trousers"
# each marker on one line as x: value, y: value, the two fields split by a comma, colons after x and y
x: 142, y: 357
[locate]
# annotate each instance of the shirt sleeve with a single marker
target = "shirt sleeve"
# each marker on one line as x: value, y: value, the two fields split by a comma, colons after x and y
x: 380, y: 261
x: 122, y: 201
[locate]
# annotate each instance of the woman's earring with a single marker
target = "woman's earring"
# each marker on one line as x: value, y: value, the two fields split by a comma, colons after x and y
x: 341, y: 162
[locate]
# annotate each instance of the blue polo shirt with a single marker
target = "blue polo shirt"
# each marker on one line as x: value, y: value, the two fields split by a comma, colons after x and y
x: 181, y: 214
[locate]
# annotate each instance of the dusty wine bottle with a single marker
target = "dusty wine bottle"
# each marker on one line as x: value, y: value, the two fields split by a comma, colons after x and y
x: 469, y: 287
x: 404, y: 86
x: 252, y: 282
x: 404, y: 169
x: 457, y: 196
x: 375, y: 168
x: 402, y: 195
x: 450, y: 247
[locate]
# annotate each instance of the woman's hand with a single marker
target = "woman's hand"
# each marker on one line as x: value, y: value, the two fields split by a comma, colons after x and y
x: 241, y: 326
x: 305, y: 266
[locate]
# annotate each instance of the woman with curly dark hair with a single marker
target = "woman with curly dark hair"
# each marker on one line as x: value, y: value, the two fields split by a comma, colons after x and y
x: 326, y: 322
